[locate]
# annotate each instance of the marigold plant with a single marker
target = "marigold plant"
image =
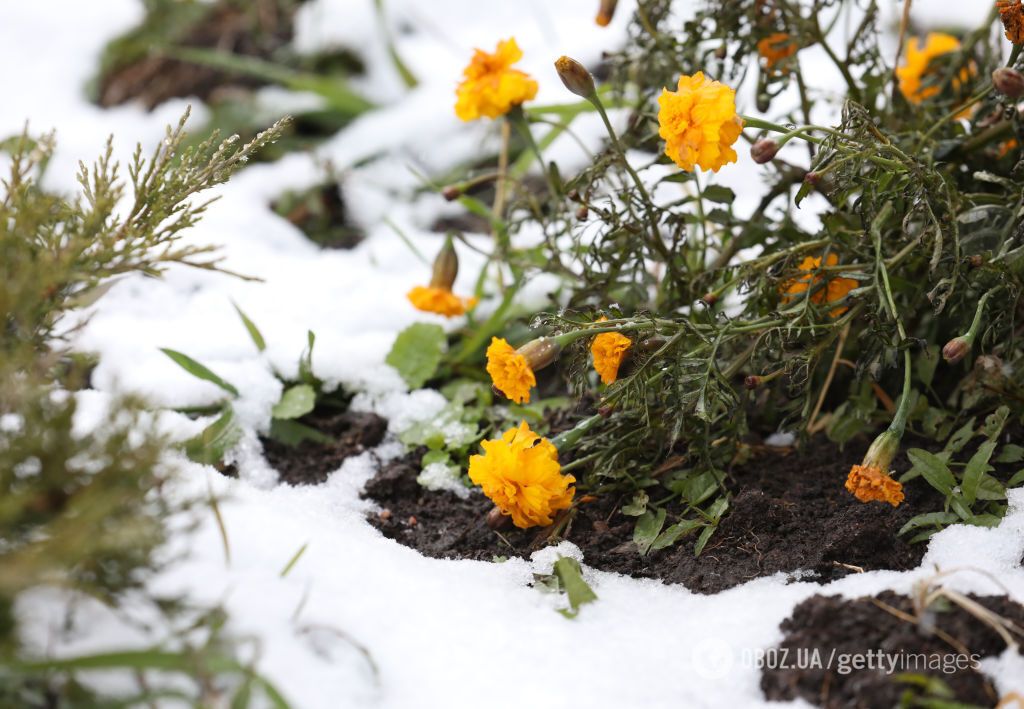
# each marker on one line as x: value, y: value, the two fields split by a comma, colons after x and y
x: 491, y: 87
x: 698, y: 123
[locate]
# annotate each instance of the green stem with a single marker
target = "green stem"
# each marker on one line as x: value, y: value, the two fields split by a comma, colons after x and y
x: 568, y: 439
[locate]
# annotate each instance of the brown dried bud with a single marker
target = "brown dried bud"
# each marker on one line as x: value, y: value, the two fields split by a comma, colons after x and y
x: 605, y: 12
x: 709, y: 299
x: 540, y: 353
x: 752, y: 382
x: 721, y: 52
x: 582, y: 213
x: 496, y: 519
x: 650, y: 344
x: 812, y: 178
x: 575, y: 77
x: 605, y: 410
x: 764, y: 150
x: 446, y: 266
x: 1008, y: 82
x: 956, y: 349
x: 451, y: 192
x: 976, y: 261
x: 574, y: 195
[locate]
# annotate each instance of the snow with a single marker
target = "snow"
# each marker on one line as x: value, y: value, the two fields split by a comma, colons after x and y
x: 361, y: 620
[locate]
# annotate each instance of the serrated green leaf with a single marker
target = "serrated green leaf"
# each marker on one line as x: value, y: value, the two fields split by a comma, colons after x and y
x: 934, y: 470
x: 198, y: 370
x: 577, y: 590
x: 648, y: 527
x: 671, y: 535
x: 940, y: 519
x: 210, y: 446
x: 292, y: 433
x: 254, y: 332
x: 417, y: 353
x: 296, y: 401
x: 976, y: 466
x: 1010, y: 453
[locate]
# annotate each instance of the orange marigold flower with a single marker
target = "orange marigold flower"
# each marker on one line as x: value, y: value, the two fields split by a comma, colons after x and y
x: 431, y: 299
x: 520, y: 473
x: 699, y: 123
x: 1012, y: 14
x: 835, y: 289
x: 917, y: 63
x: 510, y: 371
x: 609, y: 350
x: 776, y: 47
x: 490, y: 86
x: 869, y: 483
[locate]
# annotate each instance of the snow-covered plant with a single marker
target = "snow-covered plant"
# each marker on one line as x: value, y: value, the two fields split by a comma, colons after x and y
x: 707, y: 323
x: 81, y: 502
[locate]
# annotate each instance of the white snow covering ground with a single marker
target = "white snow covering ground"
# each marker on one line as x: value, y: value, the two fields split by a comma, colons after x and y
x: 439, y: 633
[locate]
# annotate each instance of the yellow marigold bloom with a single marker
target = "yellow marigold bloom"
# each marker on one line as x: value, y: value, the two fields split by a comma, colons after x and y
x: 520, y: 473
x: 835, y: 289
x: 699, y: 123
x: 869, y: 483
x: 776, y: 47
x: 431, y: 299
x: 916, y: 65
x: 510, y: 371
x: 1012, y: 14
x: 490, y: 86
x: 609, y: 349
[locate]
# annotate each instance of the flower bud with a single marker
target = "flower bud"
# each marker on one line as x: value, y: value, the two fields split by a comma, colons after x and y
x: 606, y: 12
x: 605, y: 410
x: 751, y: 382
x: 575, y: 77
x: 540, y: 353
x: 812, y: 178
x: 882, y: 451
x: 1008, y: 82
x: 976, y: 261
x: 956, y: 349
x: 446, y: 267
x: 451, y: 193
x: 496, y: 519
x: 709, y: 299
x: 764, y: 150
x: 582, y: 213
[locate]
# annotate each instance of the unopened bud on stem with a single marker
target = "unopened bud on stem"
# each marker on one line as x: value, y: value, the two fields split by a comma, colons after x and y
x: 606, y: 12
x: 575, y: 77
x: 956, y: 349
x: 446, y: 267
x: 540, y: 353
x: 1009, y: 82
x: 764, y: 150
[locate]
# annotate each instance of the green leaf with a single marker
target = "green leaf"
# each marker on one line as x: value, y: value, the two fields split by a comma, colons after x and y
x: 939, y: 519
x: 296, y: 401
x: 417, y: 353
x: 648, y: 526
x: 210, y: 446
x: 306, y: 360
x: 976, y: 466
x: 197, y: 370
x: 934, y: 470
x: 702, y: 540
x: 960, y: 438
x: 292, y: 433
x: 576, y: 589
x: 637, y: 506
x: 995, y: 422
x: 990, y: 489
x: 719, y: 193
x: 1016, y: 480
x: 1010, y: 453
x: 671, y: 535
x: 250, y: 326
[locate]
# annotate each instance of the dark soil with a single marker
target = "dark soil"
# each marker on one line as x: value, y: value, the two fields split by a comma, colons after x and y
x: 822, y: 625
x: 790, y: 513
x: 151, y: 77
x: 322, y: 216
x: 309, y: 463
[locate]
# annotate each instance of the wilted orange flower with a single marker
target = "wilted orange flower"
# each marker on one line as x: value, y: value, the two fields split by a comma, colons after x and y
x: 491, y: 87
x: 1012, y: 14
x: 609, y: 349
x: 442, y: 301
x: 916, y: 65
x: 510, y: 371
x: 869, y: 483
x: 776, y: 47
x: 520, y: 473
x: 699, y: 123
x: 835, y: 289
